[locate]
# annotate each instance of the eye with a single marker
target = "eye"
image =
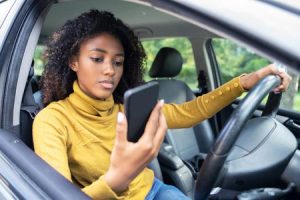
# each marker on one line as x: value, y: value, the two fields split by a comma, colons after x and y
x: 118, y: 63
x: 97, y: 59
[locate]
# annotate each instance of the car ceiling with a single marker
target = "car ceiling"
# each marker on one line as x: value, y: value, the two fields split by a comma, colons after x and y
x: 146, y: 21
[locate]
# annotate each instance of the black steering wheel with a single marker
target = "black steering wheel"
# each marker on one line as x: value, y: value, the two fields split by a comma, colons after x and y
x: 217, y: 155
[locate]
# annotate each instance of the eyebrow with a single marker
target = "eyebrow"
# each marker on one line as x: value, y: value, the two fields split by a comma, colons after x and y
x: 104, y: 51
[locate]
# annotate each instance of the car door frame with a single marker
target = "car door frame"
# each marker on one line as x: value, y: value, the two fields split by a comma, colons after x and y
x: 16, y: 57
x: 25, y: 174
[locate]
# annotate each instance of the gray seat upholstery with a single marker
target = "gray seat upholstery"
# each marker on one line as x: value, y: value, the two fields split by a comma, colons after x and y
x: 29, y: 108
x: 187, y: 142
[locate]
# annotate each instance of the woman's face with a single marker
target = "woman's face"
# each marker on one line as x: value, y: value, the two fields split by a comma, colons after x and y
x: 99, y: 66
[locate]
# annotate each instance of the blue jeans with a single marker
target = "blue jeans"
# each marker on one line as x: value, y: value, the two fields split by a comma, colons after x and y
x: 161, y: 191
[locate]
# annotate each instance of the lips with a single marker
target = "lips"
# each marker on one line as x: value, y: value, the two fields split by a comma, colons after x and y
x: 107, y: 84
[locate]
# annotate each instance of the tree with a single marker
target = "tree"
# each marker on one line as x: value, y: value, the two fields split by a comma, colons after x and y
x: 234, y: 60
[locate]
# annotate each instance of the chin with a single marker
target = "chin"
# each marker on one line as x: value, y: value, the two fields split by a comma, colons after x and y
x: 102, y: 96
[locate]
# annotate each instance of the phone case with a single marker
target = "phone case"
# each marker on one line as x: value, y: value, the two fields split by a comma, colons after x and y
x: 139, y: 103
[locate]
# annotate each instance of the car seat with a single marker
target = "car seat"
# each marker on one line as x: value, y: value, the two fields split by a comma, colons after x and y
x: 188, y: 143
x: 29, y: 108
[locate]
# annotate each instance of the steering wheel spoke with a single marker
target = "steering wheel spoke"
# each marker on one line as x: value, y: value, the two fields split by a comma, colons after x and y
x: 272, y: 104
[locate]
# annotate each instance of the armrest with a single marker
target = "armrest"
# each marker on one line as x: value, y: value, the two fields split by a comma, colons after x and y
x: 168, y: 158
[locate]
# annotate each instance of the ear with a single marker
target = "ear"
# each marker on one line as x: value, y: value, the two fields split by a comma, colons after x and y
x: 73, y: 63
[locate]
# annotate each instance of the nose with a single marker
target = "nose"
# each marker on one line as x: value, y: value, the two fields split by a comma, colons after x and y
x: 109, y: 68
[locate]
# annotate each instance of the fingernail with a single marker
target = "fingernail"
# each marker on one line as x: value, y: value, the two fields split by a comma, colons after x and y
x: 161, y: 102
x: 281, y: 70
x: 276, y: 91
x: 120, y: 117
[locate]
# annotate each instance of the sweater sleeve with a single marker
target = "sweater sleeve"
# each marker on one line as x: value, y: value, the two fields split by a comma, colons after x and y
x: 203, y: 107
x: 51, y: 143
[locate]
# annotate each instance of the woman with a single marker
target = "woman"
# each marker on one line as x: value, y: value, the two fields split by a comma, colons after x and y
x: 92, y: 61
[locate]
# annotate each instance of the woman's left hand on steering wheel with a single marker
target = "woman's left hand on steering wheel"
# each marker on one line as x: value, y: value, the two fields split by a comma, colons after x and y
x: 249, y: 80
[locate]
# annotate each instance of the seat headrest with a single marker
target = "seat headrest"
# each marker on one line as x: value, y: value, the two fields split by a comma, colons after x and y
x: 167, y: 63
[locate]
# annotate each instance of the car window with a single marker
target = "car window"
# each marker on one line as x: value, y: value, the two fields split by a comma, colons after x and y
x: 188, y: 73
x: 39, y: 61
x: 234, y: 60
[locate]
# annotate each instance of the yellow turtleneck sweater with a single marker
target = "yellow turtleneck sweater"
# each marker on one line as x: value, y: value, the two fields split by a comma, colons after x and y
x: 76, y: 136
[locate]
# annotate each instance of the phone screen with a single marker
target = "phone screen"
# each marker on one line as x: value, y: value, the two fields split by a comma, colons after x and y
x: 139, y: 103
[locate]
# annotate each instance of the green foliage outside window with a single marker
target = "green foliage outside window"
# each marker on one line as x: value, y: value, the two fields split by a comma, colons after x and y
x: 39, y: 62
x: 234, y: 60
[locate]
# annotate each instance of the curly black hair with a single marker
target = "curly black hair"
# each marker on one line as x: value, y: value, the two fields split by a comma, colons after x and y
x: 57, y: 78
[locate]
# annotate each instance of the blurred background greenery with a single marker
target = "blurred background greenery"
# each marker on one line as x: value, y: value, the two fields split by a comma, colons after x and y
x: 234, y: 60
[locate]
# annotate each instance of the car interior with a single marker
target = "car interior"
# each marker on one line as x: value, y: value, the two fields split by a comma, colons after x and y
x: 263, y: 159
x: 189, y: 144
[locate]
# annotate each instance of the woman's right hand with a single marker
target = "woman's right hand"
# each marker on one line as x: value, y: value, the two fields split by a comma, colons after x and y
x: 129, y: 159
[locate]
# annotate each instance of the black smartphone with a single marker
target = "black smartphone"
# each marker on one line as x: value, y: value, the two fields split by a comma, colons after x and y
x: 139, y: 103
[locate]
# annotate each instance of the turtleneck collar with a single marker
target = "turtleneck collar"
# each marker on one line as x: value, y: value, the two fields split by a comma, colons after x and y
x: 90, y: 105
